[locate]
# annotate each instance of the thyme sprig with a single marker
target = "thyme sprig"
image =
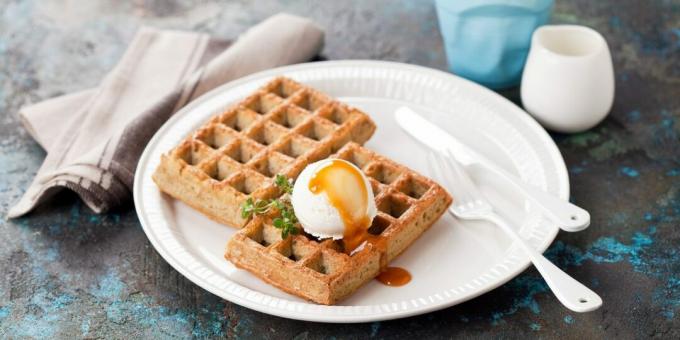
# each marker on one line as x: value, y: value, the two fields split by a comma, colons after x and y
x: 286, y: 221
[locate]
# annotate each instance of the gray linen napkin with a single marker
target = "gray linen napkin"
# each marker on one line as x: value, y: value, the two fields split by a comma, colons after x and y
x: 95, y: 137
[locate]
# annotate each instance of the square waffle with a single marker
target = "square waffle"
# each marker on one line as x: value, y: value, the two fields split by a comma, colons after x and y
x: 279, y: 129
x: 320, y: 270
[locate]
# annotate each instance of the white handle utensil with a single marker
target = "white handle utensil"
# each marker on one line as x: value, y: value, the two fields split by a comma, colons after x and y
x: 470, y: 204
x: 567, y: 216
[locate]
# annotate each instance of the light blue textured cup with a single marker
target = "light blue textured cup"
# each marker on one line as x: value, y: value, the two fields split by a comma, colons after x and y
x: 487, y: 41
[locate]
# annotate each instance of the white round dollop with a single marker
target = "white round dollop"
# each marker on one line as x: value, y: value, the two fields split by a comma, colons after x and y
x: 315, y: 212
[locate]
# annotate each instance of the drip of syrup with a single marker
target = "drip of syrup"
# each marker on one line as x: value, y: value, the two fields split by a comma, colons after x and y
x: 394, y: 276
x: 347, y: 192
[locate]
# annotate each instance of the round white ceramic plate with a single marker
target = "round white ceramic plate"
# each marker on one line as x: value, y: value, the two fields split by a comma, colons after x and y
x: 452, y: 262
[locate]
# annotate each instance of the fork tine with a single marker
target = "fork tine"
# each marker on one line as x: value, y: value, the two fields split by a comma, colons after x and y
x: 436, y: 165
x: 453, y: 178
x: 462, y: 175
x: 433, y: 165
x: 450, y: 178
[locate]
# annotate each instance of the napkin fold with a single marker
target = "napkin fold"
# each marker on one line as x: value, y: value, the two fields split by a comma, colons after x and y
x: 95, y: 137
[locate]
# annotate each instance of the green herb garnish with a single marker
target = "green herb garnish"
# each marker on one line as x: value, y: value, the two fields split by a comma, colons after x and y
x: 284, y: 184
x: 250, y: 208
x: 286, y: 221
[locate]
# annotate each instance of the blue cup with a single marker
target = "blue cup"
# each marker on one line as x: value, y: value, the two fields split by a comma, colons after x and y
x: 487, y: 41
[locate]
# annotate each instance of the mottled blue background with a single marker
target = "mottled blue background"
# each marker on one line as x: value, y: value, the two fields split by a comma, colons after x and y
x: 70, y: 273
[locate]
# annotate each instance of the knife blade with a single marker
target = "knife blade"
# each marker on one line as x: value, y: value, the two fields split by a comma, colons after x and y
x: 437, y: 139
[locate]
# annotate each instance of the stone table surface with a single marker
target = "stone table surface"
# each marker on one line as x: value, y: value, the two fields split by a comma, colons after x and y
x: 69, y: 273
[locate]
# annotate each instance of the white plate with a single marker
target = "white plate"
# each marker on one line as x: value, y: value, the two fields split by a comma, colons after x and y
x: 451, y: 263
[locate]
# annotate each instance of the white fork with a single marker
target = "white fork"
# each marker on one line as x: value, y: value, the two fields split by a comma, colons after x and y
x: 470, y: 204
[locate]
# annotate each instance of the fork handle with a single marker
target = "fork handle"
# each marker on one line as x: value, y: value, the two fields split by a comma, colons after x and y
x: 573, y: 294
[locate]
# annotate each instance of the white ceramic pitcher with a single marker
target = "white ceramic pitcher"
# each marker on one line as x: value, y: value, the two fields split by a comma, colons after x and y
x: 568, y: 80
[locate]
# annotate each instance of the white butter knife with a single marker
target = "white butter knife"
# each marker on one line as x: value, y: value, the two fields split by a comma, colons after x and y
x: 567, y: 216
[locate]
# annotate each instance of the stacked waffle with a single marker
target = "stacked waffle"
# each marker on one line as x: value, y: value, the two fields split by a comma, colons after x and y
x: 280, y: 129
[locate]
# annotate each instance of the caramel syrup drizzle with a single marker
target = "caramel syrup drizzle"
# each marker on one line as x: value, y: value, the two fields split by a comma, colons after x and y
x: 341, y: 181
x: 394, y: 276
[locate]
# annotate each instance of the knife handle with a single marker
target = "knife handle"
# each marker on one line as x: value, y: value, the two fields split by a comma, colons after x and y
x: 568, y: 216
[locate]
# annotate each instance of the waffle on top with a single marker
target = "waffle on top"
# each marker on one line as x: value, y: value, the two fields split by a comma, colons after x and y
x: 279, y: 129
x: 320, y: 270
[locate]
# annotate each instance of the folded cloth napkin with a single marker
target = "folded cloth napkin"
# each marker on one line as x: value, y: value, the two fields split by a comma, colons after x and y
x: 95, y: 137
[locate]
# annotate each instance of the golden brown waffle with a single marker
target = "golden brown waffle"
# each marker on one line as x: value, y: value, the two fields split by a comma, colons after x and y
x: 277, y: 130
x: 320, y: 271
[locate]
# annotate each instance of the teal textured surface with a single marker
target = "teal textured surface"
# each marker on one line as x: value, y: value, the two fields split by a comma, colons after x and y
x: 69, y: 273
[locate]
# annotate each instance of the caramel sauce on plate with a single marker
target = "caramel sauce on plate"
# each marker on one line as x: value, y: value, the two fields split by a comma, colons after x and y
x: 346, y: 190
x: 394, y: 276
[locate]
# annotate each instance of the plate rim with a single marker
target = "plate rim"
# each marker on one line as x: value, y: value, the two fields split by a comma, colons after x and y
x: 553, y: 151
